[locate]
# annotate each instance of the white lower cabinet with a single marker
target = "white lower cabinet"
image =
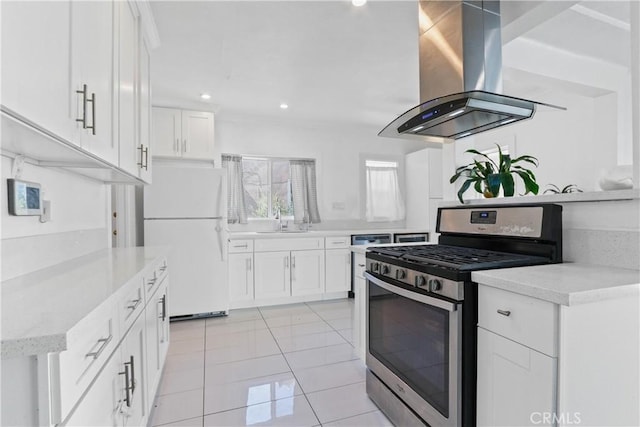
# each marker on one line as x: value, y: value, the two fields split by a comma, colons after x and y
x: 289, y: 273
x: 133, y: 365
x: 541, y: 363
x: 307, y: 272
x: 157, y: 329
x: 240, y: 277
x: 101, y: 405
x: 122, y: 392
x: 338, y: 270
x: 360, y: 305
x: 516, y: 384
x: 517, y: 363
x: 272, y: 275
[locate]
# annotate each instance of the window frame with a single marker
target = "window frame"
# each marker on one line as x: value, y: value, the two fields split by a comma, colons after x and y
x: 399, y: 160
x: 271, y: 159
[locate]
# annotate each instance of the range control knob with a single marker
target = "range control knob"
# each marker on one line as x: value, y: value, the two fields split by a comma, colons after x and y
x: 375, y: 266
x: 384, y: 269
x: 420, y: 281
x: 400, y: 274
x: 435, y: 285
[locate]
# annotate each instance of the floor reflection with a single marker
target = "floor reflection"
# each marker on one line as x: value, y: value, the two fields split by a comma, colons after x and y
x: 278, y: 398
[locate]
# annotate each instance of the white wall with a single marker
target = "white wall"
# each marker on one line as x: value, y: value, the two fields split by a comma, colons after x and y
x: 79, y: 221
x: 338, y: 150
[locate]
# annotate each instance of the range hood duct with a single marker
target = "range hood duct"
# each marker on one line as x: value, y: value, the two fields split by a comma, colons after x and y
x: 460, y: 75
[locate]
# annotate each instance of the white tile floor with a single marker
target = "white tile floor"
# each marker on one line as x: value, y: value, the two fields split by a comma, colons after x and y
x: 292, y: 365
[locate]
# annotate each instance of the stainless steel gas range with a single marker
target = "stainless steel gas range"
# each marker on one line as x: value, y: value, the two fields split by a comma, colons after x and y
x: 422, y: 307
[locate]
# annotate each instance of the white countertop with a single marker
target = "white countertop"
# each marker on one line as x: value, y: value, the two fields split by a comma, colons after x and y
x: 316, y: 233
x: 38, y: 309
x: 565, y: 284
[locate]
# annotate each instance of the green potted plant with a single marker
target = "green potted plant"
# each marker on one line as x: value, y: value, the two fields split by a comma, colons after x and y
x: 487, y: 176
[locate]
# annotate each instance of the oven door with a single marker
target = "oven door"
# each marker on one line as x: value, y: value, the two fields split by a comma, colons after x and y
x: 414, y: 348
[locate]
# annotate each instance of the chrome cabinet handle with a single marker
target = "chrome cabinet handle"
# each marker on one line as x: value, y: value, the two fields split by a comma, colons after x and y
x: 163, y: 268
x: 152, y: 282
x: 241, y: 246
x: 185, y: 146
x: 504, y: 312
x: 129, y: 380
x: 360, y: 265
x: 92, y: 100
x: 293, y: 262
x: 105, y: 342
x: 286, y: 262
x: 144, y: 157
x: 250, y: 263
x: 83, y: 120
x: 163, y: 302
x: 177, y: 146
x: 136, y: 303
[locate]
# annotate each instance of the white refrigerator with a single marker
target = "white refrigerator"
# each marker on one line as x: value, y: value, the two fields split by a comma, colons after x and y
x: 185, y: 208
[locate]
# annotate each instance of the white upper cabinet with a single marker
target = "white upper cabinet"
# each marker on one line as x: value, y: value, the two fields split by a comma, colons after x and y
x: 182, y: 133
x: 92, y: 59
x: 144, y: 87
x: 77, y: 72
x: 35, y: 63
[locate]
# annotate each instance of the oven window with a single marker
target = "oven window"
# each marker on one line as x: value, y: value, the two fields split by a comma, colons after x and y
x: 412, y: 340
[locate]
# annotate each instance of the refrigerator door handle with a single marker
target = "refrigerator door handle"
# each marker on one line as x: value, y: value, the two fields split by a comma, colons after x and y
x: 223, y: 250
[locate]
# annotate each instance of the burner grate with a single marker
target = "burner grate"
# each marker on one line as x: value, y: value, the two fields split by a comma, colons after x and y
x: 459, y: 258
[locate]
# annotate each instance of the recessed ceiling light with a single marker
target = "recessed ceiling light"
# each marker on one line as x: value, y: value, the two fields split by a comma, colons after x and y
x: 358, y: 3
x: 284, y: 106
x: 205, y: 96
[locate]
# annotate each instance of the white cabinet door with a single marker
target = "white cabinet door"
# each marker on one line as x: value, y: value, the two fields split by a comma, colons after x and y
x: 133, y: 366
x: 197, y: 135
x: 144, y: 96
x: 166, y: 131
x: 92, y: 60
x: 272, y: 275
x: 307, y: 272
x: 514, y: 382
x: 101, y: 405
x: 241, y: 277
x: 157, y: 336
x: 360, y: 324
x: 35, y: 63
x: 338, y: 270
x: 127, y: 72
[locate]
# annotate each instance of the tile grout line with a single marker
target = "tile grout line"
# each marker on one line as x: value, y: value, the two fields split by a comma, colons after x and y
x: 291, y: 369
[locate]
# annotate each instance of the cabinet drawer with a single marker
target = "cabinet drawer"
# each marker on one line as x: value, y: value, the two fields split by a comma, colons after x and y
x: 89, y: 345
x: 131, y: 303
x: 528, y: 321
x: 153, y: 278
x: 291, y: 244
x: 342, y: 242
x: 359, y: 265
x: 240, y: 246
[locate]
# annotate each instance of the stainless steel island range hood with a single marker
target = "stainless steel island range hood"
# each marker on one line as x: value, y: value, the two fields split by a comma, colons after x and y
x: 460, y: 75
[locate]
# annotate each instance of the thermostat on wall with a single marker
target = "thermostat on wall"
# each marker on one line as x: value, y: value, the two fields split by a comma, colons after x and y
x: 25, y: 198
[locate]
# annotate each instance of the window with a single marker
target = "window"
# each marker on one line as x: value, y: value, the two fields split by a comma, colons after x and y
x: 384, y: 199
x: 267, y: 187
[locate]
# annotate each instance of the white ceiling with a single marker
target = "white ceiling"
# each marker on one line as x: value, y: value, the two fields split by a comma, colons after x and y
x: 332, y: 62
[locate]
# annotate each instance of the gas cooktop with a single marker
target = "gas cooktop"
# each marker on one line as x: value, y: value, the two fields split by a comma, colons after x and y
x: 457, y: 258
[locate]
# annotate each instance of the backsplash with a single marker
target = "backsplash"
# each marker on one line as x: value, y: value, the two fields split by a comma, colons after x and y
x: 23, y: 255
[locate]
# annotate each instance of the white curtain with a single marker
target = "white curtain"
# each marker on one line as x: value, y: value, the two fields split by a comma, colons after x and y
x: 236, y: 210
x: 384, y: 200
x: 304, y: 192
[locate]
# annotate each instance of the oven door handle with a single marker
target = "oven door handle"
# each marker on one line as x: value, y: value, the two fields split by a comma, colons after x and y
x: 426, y: 299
